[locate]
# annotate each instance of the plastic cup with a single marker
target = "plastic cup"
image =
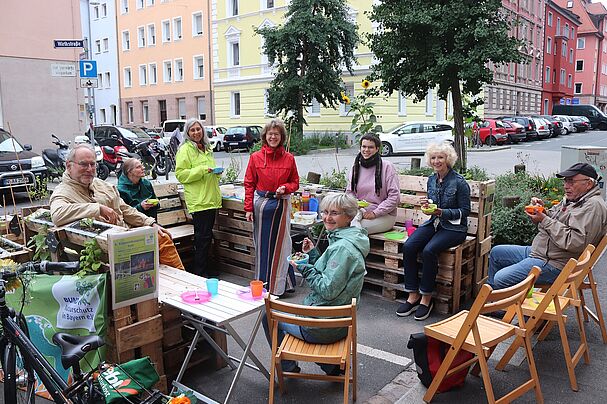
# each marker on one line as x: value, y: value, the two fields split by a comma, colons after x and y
x: 408, y: 223
x: 410, y: 230
x: 256, y: 288
x: 213, y: 286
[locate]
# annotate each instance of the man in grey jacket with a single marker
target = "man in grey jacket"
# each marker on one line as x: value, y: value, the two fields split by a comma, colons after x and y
x: 564, y: 231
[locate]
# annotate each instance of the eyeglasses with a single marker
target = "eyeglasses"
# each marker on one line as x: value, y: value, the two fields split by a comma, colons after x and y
x: 570, y: 181
x: 86, y: 164
x: 332, y: 213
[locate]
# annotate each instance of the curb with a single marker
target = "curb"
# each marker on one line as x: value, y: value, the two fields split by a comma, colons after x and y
x: 484, y: 149
x: 401, y: 386
x: 327, y: 151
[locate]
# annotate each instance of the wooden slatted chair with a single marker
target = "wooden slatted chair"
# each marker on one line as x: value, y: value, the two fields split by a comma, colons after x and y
x: 478, y: 334
x: 342, y: 353
x: 549, y: 307
x: 590, y: 283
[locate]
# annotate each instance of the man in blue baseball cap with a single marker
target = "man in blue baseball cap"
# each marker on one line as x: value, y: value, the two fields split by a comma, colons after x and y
x: 564, y: 231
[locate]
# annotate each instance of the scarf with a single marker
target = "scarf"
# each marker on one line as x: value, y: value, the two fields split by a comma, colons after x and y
x: 374, y: 160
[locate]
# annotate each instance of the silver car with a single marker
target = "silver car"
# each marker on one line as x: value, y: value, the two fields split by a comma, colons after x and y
x: 567, y: 124
x: 543, y: 128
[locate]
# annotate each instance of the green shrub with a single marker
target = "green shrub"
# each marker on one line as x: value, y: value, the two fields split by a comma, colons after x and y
x: 474, y: 173
x: 422, y: 171
x: 335, y: 180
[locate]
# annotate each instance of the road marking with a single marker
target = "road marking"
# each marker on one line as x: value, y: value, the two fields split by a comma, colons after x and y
x: 383, y: 355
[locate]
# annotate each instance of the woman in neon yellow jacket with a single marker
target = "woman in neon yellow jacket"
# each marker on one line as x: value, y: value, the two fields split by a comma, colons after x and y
x: 194, y: 169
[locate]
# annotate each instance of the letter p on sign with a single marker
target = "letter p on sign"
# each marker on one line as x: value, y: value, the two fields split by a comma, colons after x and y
x: 88, y: 69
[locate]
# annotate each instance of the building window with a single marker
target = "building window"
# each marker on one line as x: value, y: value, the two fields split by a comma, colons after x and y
x: 570, y: 55
x: 153, y: 73
x: 145, y: 111
x: 548, y: 45
x: 429, y: 103
x: 562, y: 78
x: 102, y: 115
x: 98, y: 46
x: 124, y: 6
x: 569, y: 80
x: 96, y: 13
x: 103, y: 10
x: 564, y: 49
x: 143, y: 75
x: 129, y: 109
x: 126, y: 40
x: 234, y: 53
x: 108, y: 79
x: 314, y: 107
x: 167, y: 74
x: 178, y: 69
x: 232, y: 7
x: 572, y: 33
x: 100, y: 80
x: 151, y: 35
x: 198, y: 67
x: 579, y: 65
x: 267, y: 4
x: 106, y: 44
x: 581, y: 43
x: 177, y: 29
x: 197, y: 24
x: 550, y: 19
x: 566, y: 33
x: 181, y: 108
x: 140, y: 4
x: 150, y: 2
x: 578, y: 88
x: 547, y: 74
x: 402, y: 104
x: 128, y: 78
x: 141, y: 37
x: 202, y: 108
x: 166, y: 31
x: 235, y: 105
x: 558, y: 26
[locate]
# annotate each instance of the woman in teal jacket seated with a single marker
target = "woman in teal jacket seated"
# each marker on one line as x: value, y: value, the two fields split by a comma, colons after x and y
x: 135, y: 190
x: 335, y: 277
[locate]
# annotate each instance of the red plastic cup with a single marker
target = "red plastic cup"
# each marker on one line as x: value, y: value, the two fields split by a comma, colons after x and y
x: 410, y: 231
x: 256, y: 288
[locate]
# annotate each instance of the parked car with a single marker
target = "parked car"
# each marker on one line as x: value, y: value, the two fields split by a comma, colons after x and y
x: 566, y: 122
x: 542, y: 127
x: 216, y: 136
x: 241, y: 137
x: 111, y: 135
x: 598, y: 119
x: 580, y: 124
x: 414, y: 137
x: 20, y: 168
x: 557, y: 126
x: 527, y: 122
x: 492, y: 131
x: 515, y: 131
x: 170, y: 125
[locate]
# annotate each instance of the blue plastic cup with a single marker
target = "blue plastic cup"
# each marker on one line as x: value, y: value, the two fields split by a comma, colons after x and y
x: 213, y: 286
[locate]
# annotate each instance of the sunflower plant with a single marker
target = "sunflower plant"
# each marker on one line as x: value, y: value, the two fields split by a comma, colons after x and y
x: 363, y: 117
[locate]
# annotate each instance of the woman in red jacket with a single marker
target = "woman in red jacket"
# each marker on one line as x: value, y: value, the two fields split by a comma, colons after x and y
x: 270, y: 180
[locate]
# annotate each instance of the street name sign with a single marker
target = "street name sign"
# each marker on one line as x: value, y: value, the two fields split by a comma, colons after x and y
x: 88, y: 69
x: 69, y: 43
x: 63, y: 70
x: 89, y: 83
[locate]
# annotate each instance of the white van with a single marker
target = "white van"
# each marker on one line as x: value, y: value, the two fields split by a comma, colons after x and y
x: 169, y: 126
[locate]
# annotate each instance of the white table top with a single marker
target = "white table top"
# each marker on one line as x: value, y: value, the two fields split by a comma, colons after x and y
x: 223, y: 308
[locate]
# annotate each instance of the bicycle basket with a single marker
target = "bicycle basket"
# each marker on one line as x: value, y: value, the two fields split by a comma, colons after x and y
x: 119, y: 382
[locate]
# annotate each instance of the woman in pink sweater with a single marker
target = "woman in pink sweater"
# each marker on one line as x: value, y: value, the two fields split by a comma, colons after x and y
x: 374, y: 180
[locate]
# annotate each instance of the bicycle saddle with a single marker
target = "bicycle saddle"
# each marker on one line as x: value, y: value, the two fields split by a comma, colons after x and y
x: 74, y: 347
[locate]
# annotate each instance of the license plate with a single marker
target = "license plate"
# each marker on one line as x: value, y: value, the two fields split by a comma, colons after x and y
x: 234, y: 144
x: 13, y: 181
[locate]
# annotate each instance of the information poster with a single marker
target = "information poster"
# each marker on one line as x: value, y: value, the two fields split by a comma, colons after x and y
x: 133, y: 266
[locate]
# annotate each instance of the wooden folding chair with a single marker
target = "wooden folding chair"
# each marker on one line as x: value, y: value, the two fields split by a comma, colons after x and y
x: 342, y: 353
x: 478, y: 334
x: 549, y: 307
x: 590, y: 283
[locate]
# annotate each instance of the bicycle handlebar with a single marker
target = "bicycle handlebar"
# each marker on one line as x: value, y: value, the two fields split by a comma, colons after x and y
x: 43, y: 267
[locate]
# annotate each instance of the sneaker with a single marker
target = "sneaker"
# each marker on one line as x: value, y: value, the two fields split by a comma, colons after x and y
x: 406, y: 309
x: 423, y: 311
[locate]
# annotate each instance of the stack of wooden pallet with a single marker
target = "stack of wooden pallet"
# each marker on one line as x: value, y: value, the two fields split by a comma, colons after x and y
x: 460, y: 268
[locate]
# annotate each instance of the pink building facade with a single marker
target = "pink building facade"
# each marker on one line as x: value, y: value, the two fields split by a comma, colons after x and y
x: 560, y: 40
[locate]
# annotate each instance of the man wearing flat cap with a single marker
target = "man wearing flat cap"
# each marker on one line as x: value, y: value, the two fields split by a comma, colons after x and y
x: 564, y: 231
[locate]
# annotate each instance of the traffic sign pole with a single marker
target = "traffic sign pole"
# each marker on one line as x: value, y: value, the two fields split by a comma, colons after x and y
x: 90, y: 92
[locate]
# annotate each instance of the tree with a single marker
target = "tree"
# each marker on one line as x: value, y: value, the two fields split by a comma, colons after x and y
x: 310, y: 49
x: 444, y: 44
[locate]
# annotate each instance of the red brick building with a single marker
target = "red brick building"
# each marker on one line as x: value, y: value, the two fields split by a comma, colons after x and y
x: 560, y: 39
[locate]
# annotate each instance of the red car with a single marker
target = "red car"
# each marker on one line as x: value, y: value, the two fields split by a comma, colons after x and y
x: 515, y: 131
x: 491, y: 132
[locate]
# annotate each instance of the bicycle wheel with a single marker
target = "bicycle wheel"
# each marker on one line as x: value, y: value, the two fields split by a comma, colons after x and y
x: 19, y: 378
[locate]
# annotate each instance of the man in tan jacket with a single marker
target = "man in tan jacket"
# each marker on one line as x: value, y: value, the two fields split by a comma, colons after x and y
x: 81, y: 195
x: 564, y: 231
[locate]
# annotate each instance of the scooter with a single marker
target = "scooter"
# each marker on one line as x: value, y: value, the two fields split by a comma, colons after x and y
x: 113, y: 158
x: 102, y: 171
x: 54, y: 160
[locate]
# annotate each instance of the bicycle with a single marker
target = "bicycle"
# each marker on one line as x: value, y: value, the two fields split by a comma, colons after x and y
x: 21, y: 360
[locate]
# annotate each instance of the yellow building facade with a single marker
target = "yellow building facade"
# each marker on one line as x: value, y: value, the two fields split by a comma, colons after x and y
x: 241, y: 74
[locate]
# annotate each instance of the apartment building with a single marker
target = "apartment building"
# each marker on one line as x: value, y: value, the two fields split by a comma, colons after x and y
x: 242, y: 74
x: 560, y: 62
x: 164, y: 60
x: 39, y: 86
x: 99, y: 28
x: 517, y: 87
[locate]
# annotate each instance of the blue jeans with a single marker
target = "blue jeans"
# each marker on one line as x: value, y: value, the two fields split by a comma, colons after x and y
x: 298, y: 332
x: 510, y: 264
x: 430, y: 242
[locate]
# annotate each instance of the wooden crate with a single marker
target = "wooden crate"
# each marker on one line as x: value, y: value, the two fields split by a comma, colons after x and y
x: 24, y: 254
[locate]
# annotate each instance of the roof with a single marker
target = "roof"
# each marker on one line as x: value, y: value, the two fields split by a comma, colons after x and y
x: 596, y: 8
x: 588, y: 25
x: 567, y: 13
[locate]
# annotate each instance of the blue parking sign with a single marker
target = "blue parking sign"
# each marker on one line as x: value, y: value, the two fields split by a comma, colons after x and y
x: 88, y: 69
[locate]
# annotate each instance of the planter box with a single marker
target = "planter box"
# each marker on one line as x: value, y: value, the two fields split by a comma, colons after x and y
x: 38, y: 220
x: 14, y: 251
x: 78, y: 235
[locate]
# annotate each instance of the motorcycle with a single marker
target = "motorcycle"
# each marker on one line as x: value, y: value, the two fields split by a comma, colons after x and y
x: 113, y: 158
x: 54, y: 159
x: 102, y: 171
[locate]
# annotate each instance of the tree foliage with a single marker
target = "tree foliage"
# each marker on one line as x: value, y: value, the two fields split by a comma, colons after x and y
x: 310, y: 49
x: 443, y: 44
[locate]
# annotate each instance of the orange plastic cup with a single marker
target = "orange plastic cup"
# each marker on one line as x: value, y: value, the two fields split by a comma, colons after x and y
x: 256, y: 288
